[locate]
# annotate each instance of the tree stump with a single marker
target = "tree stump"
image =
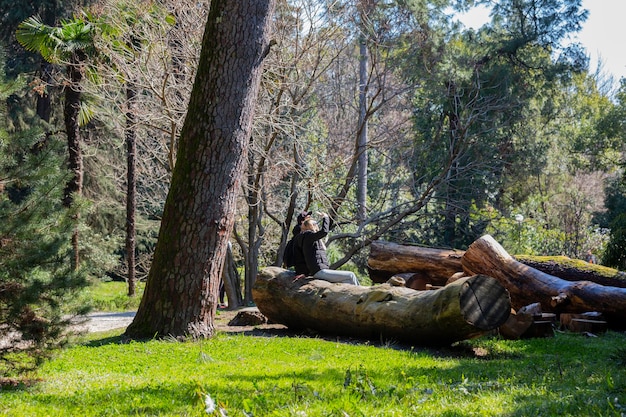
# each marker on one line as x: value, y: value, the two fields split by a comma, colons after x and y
x: 591, y: 322
x: 467, y: 308
x: 588, y: 326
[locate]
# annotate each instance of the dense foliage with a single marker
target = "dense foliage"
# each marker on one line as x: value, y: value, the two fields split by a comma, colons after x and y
x: 36, y: 279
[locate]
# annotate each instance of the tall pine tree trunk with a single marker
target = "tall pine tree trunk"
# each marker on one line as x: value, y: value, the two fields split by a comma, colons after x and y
x: 254, y: 240
x: 181, y: 293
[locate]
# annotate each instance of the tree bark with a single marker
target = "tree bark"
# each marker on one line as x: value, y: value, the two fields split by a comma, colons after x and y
x: 362, y: 133
x: 464, y: 309
x: 131, y: 187
x: 182, y: 290
x: 528, y: 285
x: 435, y: 265
x: 74, y: 186
x: 575, y: 270
x: 232, y: 281
x: 70, y: 115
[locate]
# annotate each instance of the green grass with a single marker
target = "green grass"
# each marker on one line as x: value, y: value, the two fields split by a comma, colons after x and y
x: 569, y: 375
x: 111, y: 296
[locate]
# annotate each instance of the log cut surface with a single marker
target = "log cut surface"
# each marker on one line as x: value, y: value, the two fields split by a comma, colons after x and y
x: 528, y: 285
x: 467, y: 308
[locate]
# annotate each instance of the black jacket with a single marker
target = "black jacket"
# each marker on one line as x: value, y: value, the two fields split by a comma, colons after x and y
x: 310, y: 251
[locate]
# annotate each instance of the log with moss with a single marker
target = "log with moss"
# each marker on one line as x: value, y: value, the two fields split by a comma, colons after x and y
x: 437, y: 266
x: 528, y: 285
x: 467, y: 308
x: 575, y: 269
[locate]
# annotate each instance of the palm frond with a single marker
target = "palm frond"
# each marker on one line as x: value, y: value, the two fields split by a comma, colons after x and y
x: 57, y: 44
x: 85, y: 114
x: 35, y: 36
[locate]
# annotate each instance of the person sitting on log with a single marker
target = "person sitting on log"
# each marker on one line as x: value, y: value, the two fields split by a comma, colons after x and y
x: 310, y: 253
x: 289, y: 253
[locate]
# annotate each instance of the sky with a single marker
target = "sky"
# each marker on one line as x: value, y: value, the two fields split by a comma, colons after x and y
x: 603, y: 34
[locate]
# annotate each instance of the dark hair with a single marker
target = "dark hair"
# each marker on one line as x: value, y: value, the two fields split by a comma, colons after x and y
x: 303, y: 215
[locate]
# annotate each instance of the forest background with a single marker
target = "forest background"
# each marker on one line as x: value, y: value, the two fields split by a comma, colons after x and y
x: 390, y: 116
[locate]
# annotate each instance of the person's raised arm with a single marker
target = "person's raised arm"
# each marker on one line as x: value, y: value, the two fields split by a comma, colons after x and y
x: 324, y: 227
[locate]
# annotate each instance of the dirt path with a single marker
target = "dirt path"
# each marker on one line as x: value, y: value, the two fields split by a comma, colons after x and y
x: 104, y: 321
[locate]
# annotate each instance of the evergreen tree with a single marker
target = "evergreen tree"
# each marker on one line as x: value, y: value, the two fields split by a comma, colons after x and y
x: 70, y: 43
x: 483, y: 88
x: 611, y: 135
x: 36, y: 280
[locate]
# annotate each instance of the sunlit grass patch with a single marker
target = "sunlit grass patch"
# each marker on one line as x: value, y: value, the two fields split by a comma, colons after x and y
x: 300, y: 376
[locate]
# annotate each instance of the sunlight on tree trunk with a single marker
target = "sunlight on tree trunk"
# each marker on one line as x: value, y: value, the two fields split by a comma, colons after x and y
x: 181, y: 293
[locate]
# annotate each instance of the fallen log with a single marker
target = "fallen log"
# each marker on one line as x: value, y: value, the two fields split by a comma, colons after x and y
x: 434, y: 266
x: 467, y: 308
x: 527, y: 285
x: 575, y: 270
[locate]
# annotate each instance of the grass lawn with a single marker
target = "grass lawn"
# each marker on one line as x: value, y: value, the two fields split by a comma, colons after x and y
x: 111, y: 296
x: 568, y: 375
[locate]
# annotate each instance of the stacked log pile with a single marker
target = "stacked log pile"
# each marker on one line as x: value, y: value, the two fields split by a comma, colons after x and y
x: 526, y: 285
x: 434, y: 297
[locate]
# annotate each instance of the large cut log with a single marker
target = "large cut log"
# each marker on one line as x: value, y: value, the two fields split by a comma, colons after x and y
x: 467, y: 308
x: 575, y: 270
x: 528, y: 285
x: 435, y: 266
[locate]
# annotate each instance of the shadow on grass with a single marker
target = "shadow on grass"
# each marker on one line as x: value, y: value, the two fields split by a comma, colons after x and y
x: 112, y: 340
x: 462, y: 349
x: 158, y: 399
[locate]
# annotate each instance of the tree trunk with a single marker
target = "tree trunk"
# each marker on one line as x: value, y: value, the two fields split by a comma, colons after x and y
x: 74, y: 186
x: 254, y: 235
x: 232, y: 281
x: 44, y: 106
x: 131, y: 188
x: 464, y: 309
x: 528, y: 285
x: 182, y: 291
x: 362, y: 137
x: 435, y: 265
